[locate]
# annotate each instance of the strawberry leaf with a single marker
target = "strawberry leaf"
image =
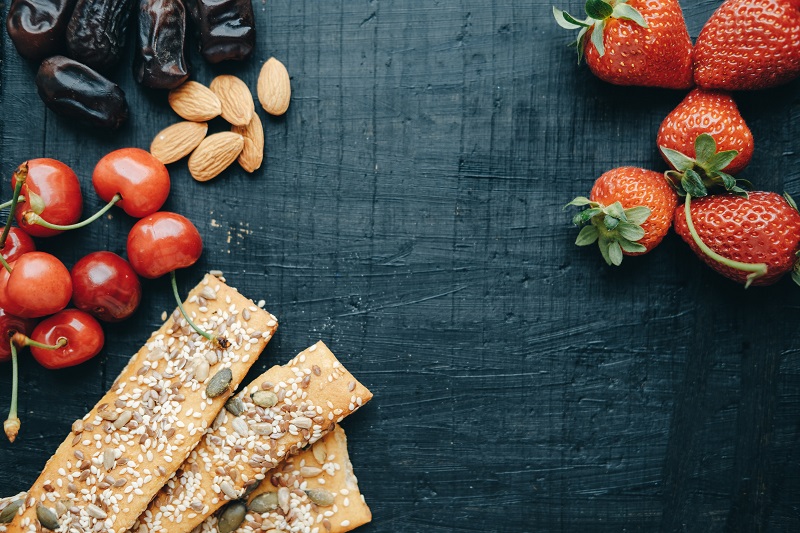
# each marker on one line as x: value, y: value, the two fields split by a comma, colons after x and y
x: 679, y: 161
x: 630, y: 232
x: 580, y: 201
x: 603, y: 243
x: 615, y: 253
x: 625, y: 12
x: 631, y: 247
x: 616, y: 211
x: 588, y: 235
x: 796, y: 274
x: 610, y: 222
x: 728, y: 181
x: 598, y: 9
x: 692, y: 183
x: 638, y: 215
x: 738, y: 191
x: 790, y: 201
x: 597, y: 37
x: 567, y: 21
x: 586, y: 215
x: 720, y: 160
x: 704, y: 148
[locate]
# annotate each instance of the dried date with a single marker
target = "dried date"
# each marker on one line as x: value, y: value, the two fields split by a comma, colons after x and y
x: 226, y: 28
x: 37, y: 27
x: 74, y: 90
x: 96, y: 32
x: 160, y: 62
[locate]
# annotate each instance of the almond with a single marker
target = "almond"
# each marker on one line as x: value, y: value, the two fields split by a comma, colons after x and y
x: 194, y: 101
x: 274, y: 87
x: 215, y: 154
x: 177, y: 141
x: 253, y: 153
x: 237, y: 102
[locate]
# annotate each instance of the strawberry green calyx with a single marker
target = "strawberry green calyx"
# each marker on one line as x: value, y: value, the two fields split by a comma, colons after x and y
x: 614, y: 228
x: 796, y: 267
x: 756, y: 270
x: 598, y: 12
x: 704, y: 173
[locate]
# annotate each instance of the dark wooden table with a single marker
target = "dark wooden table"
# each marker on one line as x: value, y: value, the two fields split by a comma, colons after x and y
x: 409, y: 214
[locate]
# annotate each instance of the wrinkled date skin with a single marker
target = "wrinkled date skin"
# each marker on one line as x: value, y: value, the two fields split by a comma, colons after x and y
x: 73, y: 90
x: 160, y: 62
x: 96, y: 32
x: 37, y: 27
x: 226, y: 28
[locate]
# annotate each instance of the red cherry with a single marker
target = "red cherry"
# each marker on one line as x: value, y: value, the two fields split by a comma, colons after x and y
x: 105, y: 285
x: 10, y: 324
x: 141, y: 179
x: 163, y: 242
x: 17, y: 243
x: 84, y: 339
x: 58, y: 187
x: 38, y: 285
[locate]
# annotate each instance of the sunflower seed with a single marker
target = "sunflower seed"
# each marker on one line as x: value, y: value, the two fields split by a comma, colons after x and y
x: 108, y: 459
x: 77, y: 426
x: 219, y: 383
x: 235, y: 406
x: 310, y: 471
x: 208, y: 293
x: 265, y: 399
x: 10, y: 512
x: 321, y: 497
x: 264, y: 503
x: 47, y: 517
x: 240, y: 426
x: 303, y: 422
x: 232, y: 517
x: 95, y: 512
x: 262, y: 429
x: 201, y: 369
x: 228, y: 490
x: 283, y: 499
x: 320, y: 452
x: 123, y: 419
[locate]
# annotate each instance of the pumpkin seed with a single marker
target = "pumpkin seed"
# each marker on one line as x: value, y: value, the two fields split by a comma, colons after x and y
x: 47, y: 517
x: 232, y: 517
x: 8, y: 514
x: 235, y: 406
x: 264, y: 503
x: 219, y: 383
x: 321, y: 497
x: 265, y: 399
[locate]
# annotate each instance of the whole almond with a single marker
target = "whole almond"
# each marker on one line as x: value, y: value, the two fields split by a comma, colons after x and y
x: 177, y: 141
x: 194, y: 101
x: 237, y: 102
x: 274, y: 87
x: 253, y: 153
x: 215, y: 154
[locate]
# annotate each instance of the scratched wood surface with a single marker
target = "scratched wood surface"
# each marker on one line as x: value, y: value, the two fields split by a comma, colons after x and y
x: 409, y: 214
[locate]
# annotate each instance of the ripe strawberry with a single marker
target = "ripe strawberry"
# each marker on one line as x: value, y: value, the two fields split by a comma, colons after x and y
x: 711, y: 112
x: 749, y: 240
x: 630, y: 212
x: 634, y: 42
x: 749, y: 44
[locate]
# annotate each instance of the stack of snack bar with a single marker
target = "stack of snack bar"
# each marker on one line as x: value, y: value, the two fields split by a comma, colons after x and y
x: 170, y: 449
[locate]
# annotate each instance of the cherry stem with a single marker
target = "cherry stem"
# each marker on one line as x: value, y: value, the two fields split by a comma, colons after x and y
x: 5, y: 263
x: 7, y: 204
x: 33, y: 218
x: 21, y: 175
x: 756, y: 269
x: 23, y: 340
x: 222, y: 342
x: 12, y: 424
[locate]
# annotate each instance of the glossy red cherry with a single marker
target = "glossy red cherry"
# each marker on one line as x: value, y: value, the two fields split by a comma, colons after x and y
x: 17, y: 243
x: 10, y: 324
x: 141, y: 179
x: 105, y: 286
x: 84, y: 339
x: 163, y: 242
x: 58, y: 187
x: 38, y: 285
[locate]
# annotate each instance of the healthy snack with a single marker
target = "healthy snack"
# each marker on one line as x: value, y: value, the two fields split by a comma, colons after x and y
x: 177, y: 141
x: 56, y: 191
x: 9, y: 507
x: 38, y: 285
x: 139, y: 180
x: 753, y: 240
x: 37, y: 27
x: 162, y: 243
x: 96, y: 32
x: 77, y: 335
x: 711, y: 112
x: 120, y: 454
x: 226, y: 28
x: 749, y: 44
x: 74, y: 90
x: 253, y: 149
x: 630, y: 212
x: 315, y: 489
x: 634, y: 43
x: 284, y: 410
x: 195, y: 102
x: 160, y: 62
x: 274, y: 87
x: 235, y: 99
x: 216, y: 153
x: 105, y: 286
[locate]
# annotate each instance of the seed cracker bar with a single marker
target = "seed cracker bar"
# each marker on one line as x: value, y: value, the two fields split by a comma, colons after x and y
x: 121, y: 453
x: 284, y: 410
x: 315, y: 491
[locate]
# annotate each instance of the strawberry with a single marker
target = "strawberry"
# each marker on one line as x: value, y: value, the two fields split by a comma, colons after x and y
x: 634, y: 42
x: 749, y: 44
x: 711, y: 112
x: 630, y: 212
x: 753, y: 240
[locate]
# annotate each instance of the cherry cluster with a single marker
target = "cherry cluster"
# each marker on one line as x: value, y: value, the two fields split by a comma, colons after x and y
x: 46, y: 202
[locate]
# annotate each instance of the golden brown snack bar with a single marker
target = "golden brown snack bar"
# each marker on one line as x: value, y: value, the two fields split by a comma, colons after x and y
x: 120, y: 454
x: 284, y: 410
x: 314, y: 491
